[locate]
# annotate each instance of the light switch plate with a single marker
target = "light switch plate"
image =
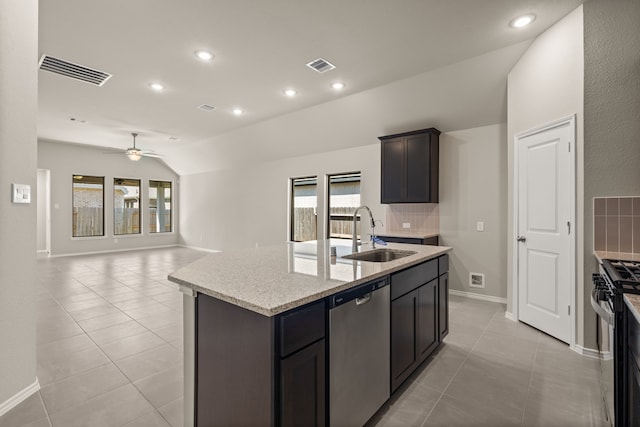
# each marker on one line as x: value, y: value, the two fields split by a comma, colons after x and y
x: 20, y: 193
x: 406, y: 225
x: 480, y: 226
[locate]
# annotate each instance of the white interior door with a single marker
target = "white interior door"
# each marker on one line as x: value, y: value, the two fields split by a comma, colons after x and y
x: 544, y: 223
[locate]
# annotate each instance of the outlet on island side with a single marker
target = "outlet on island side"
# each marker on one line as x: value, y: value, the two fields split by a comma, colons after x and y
x: 406, y: 225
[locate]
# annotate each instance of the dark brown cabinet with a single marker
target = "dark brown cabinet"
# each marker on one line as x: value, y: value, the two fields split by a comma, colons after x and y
x: 257, y: 370
x: 410, y: 167
x: 443, y: 296
x: 302, y: 390
x: 414, y: 330
x: 414, y: 319
x: 427, y: 320
x: 443, y: 305
x: 303, y: 366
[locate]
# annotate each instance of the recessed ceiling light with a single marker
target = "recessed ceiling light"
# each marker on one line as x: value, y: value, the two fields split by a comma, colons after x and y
x: 338, y: 85
x: 238, y: 111
x: 522, y: 21
x: 156, y: 86
x: 290, y: 92
x: 204, y: 55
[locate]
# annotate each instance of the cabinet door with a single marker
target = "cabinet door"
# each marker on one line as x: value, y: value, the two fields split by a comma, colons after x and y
x: 418, y: 168
x: 302, y: 398
x: 403, y: 346
x: 443, y: 305
x: 427, y: 320
x: 393, y: 171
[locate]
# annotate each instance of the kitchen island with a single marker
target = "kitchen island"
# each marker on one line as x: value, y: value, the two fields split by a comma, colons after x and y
x: 256, y: 335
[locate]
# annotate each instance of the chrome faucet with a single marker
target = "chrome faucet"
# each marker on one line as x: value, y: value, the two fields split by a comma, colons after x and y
x: 354, y: 247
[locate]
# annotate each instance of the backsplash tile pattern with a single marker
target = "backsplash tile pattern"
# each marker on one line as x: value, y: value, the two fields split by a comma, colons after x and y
x: 616, y: 224
x: 423, y: 217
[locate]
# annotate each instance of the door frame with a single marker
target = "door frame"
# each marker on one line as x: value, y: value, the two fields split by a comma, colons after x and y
x: 46, y: 209
x: 571, y: 121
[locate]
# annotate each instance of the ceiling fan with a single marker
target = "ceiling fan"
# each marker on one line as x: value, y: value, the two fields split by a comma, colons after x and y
x: 135, y: 154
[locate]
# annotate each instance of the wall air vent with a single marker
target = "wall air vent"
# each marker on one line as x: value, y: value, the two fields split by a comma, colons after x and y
x: 206, y: 107
x: 74, y: 71
x: 321, y: 65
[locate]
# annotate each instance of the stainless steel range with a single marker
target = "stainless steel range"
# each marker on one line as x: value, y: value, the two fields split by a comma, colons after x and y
x: 616, y: 278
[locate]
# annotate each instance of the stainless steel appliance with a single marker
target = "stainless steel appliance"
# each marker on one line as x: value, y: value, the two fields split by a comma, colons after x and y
x: 359, y: 352
x: 615, y: 278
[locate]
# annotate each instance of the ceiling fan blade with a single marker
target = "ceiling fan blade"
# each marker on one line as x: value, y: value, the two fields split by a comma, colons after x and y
x: 158, y: 156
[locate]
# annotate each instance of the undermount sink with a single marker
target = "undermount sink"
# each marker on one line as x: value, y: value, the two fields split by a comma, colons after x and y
x: 379, y: 255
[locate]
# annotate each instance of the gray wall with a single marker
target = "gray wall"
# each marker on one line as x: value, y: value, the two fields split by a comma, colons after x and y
x: 65, y: 160
x: 240, y: 208
x: 473, y: 167
x: 612, y: 113
x: 18, y: 158
x: 546, y: 85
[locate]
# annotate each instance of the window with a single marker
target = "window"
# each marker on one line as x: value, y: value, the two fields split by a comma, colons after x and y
x: 159, y: 207
x: 344, y: 198
x: 304, y: 201
x: 126, y: 206
x: 88, y: 206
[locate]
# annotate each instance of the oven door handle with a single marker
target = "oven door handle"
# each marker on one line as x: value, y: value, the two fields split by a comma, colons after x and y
x: 604, y: 314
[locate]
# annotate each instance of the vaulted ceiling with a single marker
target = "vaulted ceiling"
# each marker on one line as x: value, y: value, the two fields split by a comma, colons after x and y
x: 405, y: 64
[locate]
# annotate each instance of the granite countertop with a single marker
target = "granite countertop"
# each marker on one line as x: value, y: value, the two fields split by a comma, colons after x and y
x: 624, y: 256
x: 409, y: 234
x: 273, y: 279
x: 633, y: 302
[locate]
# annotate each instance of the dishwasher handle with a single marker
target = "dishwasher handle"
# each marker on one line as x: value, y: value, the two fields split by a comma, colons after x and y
x: 365, y: 299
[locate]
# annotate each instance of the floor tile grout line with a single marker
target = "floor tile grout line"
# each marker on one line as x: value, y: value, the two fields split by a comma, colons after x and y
x: 526, y: 399
x: 113, y: 362
x: 457, y: 372
x: 46, y: 411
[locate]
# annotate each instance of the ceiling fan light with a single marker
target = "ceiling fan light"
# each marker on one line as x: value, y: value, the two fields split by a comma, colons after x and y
x: 134, y: 156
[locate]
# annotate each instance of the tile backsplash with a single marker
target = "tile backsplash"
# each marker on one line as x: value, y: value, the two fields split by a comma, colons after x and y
x: 616, y: 224
x: 423, y: 217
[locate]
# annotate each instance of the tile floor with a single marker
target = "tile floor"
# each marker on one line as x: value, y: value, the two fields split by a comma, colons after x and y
x: 109, y: 344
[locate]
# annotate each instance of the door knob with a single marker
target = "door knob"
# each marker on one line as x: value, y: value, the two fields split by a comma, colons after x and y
x: 521, y: 239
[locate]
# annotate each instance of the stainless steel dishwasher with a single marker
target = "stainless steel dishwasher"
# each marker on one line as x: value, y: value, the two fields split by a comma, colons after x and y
x: 359, y: 353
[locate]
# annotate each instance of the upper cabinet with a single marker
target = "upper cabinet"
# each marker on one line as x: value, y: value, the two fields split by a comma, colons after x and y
x: 410, y: 167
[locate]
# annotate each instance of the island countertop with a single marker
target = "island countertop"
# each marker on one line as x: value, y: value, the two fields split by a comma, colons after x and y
x: 273, y: 279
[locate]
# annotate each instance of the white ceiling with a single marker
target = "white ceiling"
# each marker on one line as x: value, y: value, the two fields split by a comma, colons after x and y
x: 457, y: 51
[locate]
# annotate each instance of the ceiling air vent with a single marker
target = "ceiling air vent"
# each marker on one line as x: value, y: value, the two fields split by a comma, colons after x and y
x: 75, y: 71
x: 321, y: 65
x: 206, y: 107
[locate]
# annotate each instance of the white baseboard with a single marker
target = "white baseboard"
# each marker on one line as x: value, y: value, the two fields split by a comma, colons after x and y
x: 143, y: 248
x: 19, y: 397
x: 197, y: 248
x: 592, y: 353
x: 510, y: 316
x: 478, y: 296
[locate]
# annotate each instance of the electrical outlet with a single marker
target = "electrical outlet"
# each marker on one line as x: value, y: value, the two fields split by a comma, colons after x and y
x: 406, y: 225
x: 480, y: 226
x: 476, y: 280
